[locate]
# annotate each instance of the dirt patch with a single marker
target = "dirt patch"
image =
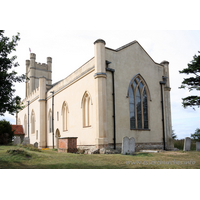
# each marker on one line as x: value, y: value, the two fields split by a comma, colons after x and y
x: 174, y: 153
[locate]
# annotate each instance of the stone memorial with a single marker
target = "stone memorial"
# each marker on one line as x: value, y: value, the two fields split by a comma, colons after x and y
x: 26, y: 141
x: 187, y: 144
x: 125, y: 146
x: 17, y: 140
x: 128, y: 146
x: 35, y: 144
x: 132, y: 145
x: 198, y: 146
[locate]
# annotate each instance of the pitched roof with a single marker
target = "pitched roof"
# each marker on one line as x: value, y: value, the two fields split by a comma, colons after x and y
x: 18, y: 130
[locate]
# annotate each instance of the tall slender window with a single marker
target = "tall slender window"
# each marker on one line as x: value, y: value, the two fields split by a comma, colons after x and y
x: 32, y: 122
x: 86, y: 107
x: 65, y: 116
x: 25, y: 124
x: 138, y: 102
x: 50, y: 121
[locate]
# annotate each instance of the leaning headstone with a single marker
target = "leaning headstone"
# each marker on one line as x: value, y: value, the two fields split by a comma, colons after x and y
x: 17, y: 140
x: 132, y: 145
x: 26, y: 141
x: 198, y: 146
x: 187, y: 144
x: 35, y: 145
x: 125, y: 146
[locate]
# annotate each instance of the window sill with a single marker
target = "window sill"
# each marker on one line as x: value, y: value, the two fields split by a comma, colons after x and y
x: 137, y: 129
x: 65, y: 130
x: 86, y: 126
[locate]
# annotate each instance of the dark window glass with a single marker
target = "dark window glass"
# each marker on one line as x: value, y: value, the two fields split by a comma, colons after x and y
x: 139, y: 112
x: 132, y: 108
x: 145, y: 110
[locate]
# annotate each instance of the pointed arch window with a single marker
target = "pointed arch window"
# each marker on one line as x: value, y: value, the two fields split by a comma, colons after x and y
x: 25, y: 124
x: 65, y: 116
x: 50, y: 121
x: 32, y: 122
x: 86, y: 109
x: 138, y: 102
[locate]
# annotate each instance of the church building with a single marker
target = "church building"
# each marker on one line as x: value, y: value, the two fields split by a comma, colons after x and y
x: 117, y: 93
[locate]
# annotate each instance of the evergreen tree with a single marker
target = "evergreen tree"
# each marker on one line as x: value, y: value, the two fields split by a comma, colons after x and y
x: 8, y: 102
x: 192, y: 82
x: 196, y: 135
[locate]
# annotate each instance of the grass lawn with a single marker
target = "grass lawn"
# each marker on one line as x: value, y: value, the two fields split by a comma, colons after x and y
x: 49, y: 159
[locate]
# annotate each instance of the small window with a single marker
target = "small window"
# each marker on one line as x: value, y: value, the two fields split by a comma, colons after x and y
x: 65, y: 116
x: 37, y: 135
x: 57, y: 116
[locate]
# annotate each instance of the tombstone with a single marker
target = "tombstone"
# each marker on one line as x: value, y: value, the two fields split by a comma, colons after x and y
x: 198, y: 146
x: 128, y: 146
x: 187, y: 144
x: 132, y: 145
x: 17, y: 140
x: 35, y: 145
x: 26, y: 141
x: 125, y: 146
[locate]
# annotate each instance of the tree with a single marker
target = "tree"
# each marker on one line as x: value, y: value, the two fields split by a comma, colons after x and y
x: 8, y: 102
x: 196, y: 135
x: 192, y: 82
x: 6, y: 132
x: 174, y: 136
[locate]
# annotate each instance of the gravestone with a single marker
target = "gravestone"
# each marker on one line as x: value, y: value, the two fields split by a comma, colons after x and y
x: 128, y: 146
x: 35, y: 145
x: 198, y: 146
x: 132, y: 145
x: 187, y: 144
x: 17, y: 140
x: 125, y: 146
x: 26, y: 141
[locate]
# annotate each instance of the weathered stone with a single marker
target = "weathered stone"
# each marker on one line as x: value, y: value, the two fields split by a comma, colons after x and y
x: 187, y: 144
x: 198, y: 146
x: 125, y: 146
x: 102, y: 151
x: 17, y: 140
x: 35, y: 145
x: 132, y: 145
x: 26, y: 141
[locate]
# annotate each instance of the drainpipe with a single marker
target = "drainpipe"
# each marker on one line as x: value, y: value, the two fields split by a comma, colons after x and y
x: 28, y: 118
x: 113, y: 93
x: 53, y: 116
x: 163, y: 124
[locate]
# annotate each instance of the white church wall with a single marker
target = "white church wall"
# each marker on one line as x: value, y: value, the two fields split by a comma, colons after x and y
x: 127, y: 63
x: 75, y: 87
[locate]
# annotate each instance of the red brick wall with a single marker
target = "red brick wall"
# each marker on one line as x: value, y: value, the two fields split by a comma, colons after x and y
x: 68, y: 145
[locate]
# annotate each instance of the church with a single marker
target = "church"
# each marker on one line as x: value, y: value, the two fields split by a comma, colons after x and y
x: 117, y: 93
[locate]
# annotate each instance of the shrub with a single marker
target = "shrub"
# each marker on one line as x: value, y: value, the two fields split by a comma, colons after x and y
x: 6, y: 132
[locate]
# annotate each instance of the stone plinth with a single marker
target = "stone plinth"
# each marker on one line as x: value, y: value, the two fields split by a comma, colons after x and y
x: 68, y: 144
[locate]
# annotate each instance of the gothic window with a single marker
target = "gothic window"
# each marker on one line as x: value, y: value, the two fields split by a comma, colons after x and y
x: 25, y: 124
x: 50, y: 121
x: 86, y: 109
x: 138, y: 101
x: 32, y: 122
x: 19, y: 121
x: 65, y: 116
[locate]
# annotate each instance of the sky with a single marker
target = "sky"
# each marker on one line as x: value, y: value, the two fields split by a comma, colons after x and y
x: 71, y: 49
